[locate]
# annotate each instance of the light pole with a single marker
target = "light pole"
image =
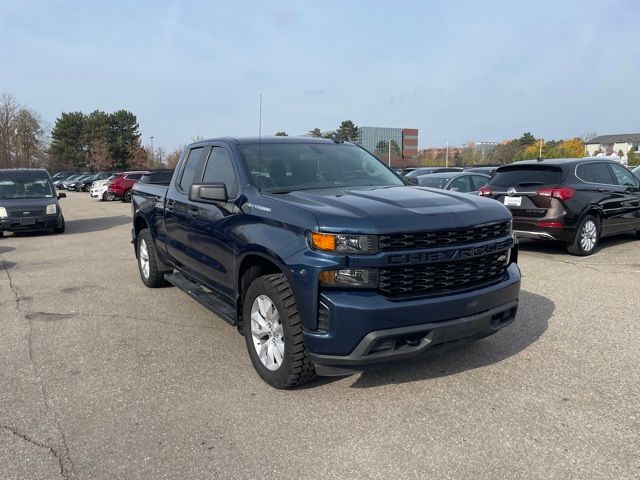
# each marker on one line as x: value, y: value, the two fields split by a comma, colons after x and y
x: 389, y: 152
x: 151, y: 149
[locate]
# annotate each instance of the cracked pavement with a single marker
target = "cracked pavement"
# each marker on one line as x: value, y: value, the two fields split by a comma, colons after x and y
x: 103, y: 378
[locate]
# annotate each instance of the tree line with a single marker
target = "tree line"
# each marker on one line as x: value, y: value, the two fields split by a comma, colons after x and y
x: 523, y: 148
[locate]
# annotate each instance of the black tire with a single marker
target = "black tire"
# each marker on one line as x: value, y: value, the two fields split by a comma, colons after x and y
x: 105, y: 197
x: 127, y: 196
x: 296, y: 367
x: 154, y: 278
x: 87, y: 188
x: 578, y: 246
x: 61, y: 228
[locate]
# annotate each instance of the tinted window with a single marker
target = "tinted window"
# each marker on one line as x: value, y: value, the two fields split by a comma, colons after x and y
x: 134, y: 176
x: 219, y: 169
x: 460, y: 184
x: 623, y: 176
x: 479, y: 182
x: 527, y: 175
x: 191, y: 169
x: 597, y: 172
x: 432, y: 182
x: 283, y: 167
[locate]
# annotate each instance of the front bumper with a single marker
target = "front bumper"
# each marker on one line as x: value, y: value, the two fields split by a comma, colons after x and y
x: 366, y: 328
x: 98, y: 192
x: 31, y: 224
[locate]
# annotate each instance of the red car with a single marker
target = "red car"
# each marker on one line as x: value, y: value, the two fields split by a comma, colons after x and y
x: 120, y: 185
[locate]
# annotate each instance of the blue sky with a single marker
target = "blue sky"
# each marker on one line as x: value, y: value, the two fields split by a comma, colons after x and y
x: 458, y: 71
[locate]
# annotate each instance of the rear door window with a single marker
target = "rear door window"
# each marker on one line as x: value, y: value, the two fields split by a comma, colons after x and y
x: 192, y: 168
x: 596, y: 172
x: 527, y: 176
x: 479, y: 182
x: 460, y: 184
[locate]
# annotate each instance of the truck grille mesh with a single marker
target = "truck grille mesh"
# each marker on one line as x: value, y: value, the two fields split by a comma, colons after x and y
x: 443, y: 238
x: 445, y: 276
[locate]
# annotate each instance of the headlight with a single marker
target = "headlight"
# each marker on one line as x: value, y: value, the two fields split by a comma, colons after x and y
x: 350, y: 278
x: 3, y: 212
x: 52, y: 209
x: 344, y: 243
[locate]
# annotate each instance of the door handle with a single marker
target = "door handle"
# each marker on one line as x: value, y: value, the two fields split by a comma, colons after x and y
x: 193, y: 212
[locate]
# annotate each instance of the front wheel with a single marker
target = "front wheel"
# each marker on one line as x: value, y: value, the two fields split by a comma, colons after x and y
x: 273, y: 333
x: 150, y: 274
x: 586, y: 238
x: 127, y: 196
x: 61, y: 227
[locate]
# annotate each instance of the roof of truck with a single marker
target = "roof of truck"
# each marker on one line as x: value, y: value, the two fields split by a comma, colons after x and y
x: 269, y: 139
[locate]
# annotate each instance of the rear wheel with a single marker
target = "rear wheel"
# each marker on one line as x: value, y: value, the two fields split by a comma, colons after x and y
x: 151, y: 276
x: 127, y: 196
x: 273, y: 333
x: 587, y: 237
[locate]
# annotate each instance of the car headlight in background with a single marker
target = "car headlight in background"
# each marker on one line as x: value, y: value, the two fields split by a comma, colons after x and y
x: 350, y: 278
x: 52, y: 209
x: 3, y: 212
x: 344, y: 243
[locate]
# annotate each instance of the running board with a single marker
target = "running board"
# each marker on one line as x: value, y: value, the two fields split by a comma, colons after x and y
x: 206, y: 298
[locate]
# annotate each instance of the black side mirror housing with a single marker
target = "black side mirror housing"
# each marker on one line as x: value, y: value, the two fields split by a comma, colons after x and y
x: 62, y: 195
x: 208, y: 193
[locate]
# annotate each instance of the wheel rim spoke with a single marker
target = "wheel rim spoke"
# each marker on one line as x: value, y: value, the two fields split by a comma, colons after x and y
x: 267, y: 332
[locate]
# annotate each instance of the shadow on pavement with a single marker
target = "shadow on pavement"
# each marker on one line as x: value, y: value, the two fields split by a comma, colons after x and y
x: 533, y: 316
x: 95, y: 224
x: 6, y: 250
x: 558, y: 248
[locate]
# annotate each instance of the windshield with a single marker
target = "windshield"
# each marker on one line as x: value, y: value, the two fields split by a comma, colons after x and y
x: 285, y: 167
x: 24, y: 185
x: 437, y: 182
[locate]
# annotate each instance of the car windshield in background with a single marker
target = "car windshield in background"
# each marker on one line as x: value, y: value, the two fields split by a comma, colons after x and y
x: 437, y: 182
x: 16, y: 185
x: 527, y: 176
x: 281, y: 168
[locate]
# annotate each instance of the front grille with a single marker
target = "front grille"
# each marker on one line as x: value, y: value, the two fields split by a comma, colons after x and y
x: 443, y: 238
x: 27, y: 212
x: 437, y: 277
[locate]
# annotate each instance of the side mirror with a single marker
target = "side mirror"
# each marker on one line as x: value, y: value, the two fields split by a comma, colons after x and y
x: 208, y: 193
x: 62, y: 195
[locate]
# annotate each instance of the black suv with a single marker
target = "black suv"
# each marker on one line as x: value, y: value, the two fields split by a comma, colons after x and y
x: 576, y: 200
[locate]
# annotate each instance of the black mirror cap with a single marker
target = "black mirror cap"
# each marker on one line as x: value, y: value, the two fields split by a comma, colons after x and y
x: 208, y: 193
x: 62, y: 195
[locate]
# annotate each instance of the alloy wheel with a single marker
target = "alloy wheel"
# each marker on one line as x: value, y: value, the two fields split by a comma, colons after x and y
x: 588, y: 235
x: 267, y: 333
x: 143, y: 253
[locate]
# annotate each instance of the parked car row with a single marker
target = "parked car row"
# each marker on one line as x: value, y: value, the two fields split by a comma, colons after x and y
x: 575, y: 201
x: 104, y: 186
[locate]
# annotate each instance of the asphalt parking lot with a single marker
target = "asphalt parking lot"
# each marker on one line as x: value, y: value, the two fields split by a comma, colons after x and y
x: 103, y: 378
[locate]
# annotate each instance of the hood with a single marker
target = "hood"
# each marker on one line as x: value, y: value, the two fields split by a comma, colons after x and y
x: 394, y: 209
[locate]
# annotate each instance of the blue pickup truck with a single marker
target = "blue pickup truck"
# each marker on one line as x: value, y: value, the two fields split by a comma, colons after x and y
x: 322, y: 257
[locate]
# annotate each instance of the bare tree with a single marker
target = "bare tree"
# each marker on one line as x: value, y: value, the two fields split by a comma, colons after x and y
x: 28, y: 140
x: 585, y: 137
x: 8, y: 111
x: 173, y: 157
x: 100, y: 159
